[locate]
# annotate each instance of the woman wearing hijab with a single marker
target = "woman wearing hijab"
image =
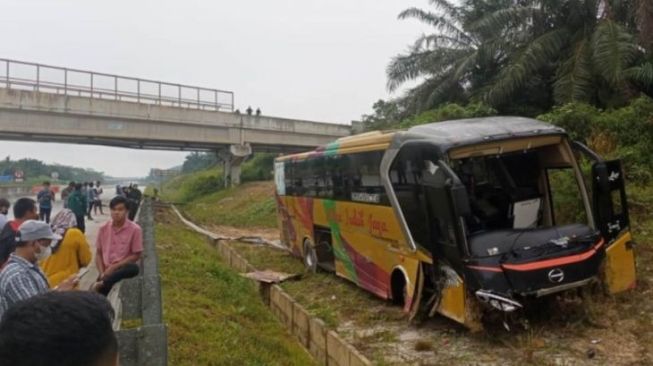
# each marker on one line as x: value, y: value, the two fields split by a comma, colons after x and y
x: 70, y: 253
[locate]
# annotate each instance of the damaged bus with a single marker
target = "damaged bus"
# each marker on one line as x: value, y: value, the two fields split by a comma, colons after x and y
x: 458, y: 216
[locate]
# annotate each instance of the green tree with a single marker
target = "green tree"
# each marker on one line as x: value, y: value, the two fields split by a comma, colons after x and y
x: 455, y: 60
x: 386, y: 115
x: 530, y: 53
x: 197, y: 161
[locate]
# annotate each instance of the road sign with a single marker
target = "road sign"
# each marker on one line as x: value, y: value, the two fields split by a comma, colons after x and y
x: 19, y: 176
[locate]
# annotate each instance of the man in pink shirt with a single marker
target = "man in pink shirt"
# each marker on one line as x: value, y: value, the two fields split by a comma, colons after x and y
x: 119, y: 246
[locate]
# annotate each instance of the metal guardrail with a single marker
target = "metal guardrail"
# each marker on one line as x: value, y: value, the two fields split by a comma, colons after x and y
x: 66, y: 81
x: 141, y: 300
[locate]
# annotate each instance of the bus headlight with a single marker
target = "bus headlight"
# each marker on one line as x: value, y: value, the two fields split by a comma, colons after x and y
x: 498, y: 302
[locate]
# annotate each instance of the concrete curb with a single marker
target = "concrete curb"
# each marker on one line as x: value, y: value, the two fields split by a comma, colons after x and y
x: 326, y: 347
x: 140, y: 298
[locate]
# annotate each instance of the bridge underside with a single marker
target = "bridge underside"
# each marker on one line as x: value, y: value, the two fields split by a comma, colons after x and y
x: 140, y: 144
x: 34, y: 116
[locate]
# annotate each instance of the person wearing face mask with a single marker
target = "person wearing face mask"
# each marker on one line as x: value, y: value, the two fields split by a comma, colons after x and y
x: 4, y: 209
x: 68, y: 254
x: 21, y: 278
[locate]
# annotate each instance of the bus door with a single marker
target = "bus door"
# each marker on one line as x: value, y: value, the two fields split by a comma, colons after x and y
x: 610, y: 209
x: 447, y: 204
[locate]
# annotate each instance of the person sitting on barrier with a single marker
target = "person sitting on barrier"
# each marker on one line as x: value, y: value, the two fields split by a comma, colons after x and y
x: 68, y: 328
x: 118, y: 247
x: 68, y: 254
x: 24, y: 209
x: 21, y: 278
x: 4, y: 209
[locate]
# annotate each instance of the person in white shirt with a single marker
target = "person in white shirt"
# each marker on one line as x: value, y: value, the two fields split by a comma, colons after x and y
x: 4, y: 209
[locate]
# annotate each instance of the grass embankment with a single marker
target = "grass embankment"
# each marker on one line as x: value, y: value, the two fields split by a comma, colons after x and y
x: 214, y: 316
x: 186, y: 187
x: 250, y: 205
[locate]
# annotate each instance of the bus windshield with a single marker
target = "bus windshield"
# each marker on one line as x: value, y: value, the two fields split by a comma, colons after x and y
x: 523, y: 190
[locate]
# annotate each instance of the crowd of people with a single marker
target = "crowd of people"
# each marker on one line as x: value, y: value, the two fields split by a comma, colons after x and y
x: 42, y: 260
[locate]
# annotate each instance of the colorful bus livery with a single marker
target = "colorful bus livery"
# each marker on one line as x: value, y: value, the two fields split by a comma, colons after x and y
x: 457, y: 214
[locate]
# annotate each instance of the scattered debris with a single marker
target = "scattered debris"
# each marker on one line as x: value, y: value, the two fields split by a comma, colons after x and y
x: 269, y: 276
x: 246, y: 239
x: 591, y: 353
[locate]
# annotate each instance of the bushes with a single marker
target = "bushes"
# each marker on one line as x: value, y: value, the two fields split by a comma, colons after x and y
x: 626, y: 132
x: 448, y: 112
x: 258, y: 168
x: 187, y: 187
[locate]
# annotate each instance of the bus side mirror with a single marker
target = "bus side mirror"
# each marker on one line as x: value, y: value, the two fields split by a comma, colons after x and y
x: 460, y: 200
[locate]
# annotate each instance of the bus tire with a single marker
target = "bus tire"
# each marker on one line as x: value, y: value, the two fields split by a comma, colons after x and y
x: 310, y: 256
x: 398, y: 287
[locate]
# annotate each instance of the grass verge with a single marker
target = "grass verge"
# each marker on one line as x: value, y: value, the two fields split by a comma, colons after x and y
x: 214, y: 316
x: 249, y: 205
x: 332, y: 299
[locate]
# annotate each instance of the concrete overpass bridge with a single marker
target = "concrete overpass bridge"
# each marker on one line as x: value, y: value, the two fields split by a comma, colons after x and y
x: 56, y: 104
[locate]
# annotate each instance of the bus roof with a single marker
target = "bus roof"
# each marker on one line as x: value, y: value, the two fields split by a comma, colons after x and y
x: 446, y: 135
x: 474, y: 130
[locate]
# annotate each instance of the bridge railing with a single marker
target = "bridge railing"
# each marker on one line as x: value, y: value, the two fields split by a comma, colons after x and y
x: 61, y: 80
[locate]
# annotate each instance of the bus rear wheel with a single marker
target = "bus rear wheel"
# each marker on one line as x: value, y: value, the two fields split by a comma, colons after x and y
x: 310, y: 256
x: 399, y: 288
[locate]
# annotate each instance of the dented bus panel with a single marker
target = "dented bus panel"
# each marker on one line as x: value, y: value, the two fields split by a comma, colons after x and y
x: 460, y: 216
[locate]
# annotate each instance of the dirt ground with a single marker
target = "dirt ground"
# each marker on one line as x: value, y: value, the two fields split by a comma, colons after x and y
x: 594, y: 329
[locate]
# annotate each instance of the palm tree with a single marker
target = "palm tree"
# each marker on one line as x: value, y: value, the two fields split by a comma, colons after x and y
x: 452, y: 61
x: 500, y: 51
x: 586, y: 42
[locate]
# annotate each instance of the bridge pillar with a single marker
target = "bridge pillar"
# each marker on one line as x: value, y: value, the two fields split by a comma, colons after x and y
x: 232, y: 159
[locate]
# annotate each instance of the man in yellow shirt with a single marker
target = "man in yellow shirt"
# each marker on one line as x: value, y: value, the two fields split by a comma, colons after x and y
x: 69, y: 254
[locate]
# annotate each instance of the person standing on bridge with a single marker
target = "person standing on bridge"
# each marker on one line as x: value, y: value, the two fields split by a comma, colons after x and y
x: 45, y: 198
x: 4, y: 209
x: 119, y: 247
x: 77, y: 204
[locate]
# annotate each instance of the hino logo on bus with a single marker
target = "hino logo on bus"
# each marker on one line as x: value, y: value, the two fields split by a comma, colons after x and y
x: 556, y: 275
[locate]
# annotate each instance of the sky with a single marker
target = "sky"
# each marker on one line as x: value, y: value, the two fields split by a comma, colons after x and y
x: 321, y: 60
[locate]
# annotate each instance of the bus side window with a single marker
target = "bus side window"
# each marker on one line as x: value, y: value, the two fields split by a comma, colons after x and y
x: 405, y: 175
x: 365, y: 176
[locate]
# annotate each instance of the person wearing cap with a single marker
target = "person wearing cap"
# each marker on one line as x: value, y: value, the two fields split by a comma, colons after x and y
x: 21, y: 278
x: 4, y: 209
x: 68, y: 254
